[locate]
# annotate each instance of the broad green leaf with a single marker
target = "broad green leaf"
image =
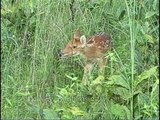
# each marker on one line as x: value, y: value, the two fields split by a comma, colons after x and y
x: 64, y: 92
x: 155, y: 89
x: 50, y: 114
x: 98, y: 80
x: 123, y: 92
x: 149, y: 14
x: 67, y: 116
x: 98, y: 88
x: 143, y: 99
x: 149, y: 38
x: 128, y: 113
x: 111, y: 55
x: 34, y: 108
x: 138, y: 117
x: 146, y: 74
x: 118, y: 80
x: 119, y: 111
x: 76, y: 111
x: 109, y: 83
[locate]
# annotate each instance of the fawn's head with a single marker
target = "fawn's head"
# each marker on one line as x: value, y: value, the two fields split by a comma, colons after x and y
x: 75, y: 46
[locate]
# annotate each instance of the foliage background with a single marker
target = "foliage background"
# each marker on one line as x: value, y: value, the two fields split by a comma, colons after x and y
x: 36, y: 84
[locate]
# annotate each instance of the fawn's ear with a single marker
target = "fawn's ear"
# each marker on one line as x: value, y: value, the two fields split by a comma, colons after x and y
x: 77, y: 34
x: 83, y: 40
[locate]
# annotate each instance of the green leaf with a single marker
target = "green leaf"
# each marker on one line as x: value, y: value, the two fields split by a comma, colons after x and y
x: 122, y: 14
x: 128, y: 114
x: 10, y: 77
x: 98, y: 80
x: 34, y: 108
x: 98, y: 89
x: 155, y: 88
x: 143, y: 99
x: 50, y: 114
x: 146, y: 74
x: 118, y: 80
x: 149, y: 38
x: 149, y: 14
x: 123, y: 93
x: 76, y: 111
x: 8, y: 101
x: 119, y: 111
x: 72, y: 78
x: 64, y: 92
x: 23, y: 93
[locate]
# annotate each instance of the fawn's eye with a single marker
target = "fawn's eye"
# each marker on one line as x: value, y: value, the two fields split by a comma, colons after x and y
x: 74, y: 46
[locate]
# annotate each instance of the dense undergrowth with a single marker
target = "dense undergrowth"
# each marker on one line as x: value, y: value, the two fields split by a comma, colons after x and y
x: 36, y: 84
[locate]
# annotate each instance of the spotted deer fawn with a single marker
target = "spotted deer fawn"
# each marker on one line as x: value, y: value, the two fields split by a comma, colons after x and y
x: 93, y: 50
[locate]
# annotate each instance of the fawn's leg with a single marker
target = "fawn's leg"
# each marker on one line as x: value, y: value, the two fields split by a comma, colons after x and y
x: 87, y: 72
x: 101, y: 64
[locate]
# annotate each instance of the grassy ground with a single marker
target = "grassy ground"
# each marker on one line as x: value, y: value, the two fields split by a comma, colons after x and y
x: 36, y: 84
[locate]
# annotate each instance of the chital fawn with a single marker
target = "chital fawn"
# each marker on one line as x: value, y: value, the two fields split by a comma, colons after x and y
x: 93, y: 50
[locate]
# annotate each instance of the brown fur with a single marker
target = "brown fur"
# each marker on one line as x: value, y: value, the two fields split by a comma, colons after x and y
x: 93, y: 50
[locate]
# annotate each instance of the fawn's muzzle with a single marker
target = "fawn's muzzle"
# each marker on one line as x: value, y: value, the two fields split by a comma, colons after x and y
x: 61, y: 54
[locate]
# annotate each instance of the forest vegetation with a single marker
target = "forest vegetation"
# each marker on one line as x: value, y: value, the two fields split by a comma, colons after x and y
x: 37, y: 84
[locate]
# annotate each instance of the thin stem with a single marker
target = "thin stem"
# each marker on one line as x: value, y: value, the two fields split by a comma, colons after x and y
x: 132, y: 38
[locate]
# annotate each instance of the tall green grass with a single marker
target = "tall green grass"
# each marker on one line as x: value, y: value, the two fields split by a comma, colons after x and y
x: 37, y: 84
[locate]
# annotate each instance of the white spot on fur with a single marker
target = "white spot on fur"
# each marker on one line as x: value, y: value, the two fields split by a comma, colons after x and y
x: 90, y: 45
